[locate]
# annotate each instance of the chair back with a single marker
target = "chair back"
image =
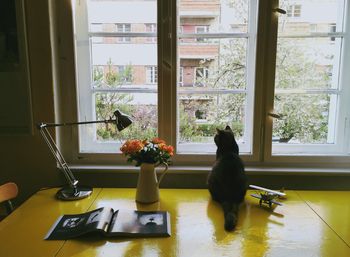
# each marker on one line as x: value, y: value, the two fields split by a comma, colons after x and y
x: 8, y: 191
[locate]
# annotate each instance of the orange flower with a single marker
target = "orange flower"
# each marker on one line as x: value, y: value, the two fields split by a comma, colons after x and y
x: 132, y: 146
x: 167, y: 148
x: 144, y: 151
x: 157, y: 140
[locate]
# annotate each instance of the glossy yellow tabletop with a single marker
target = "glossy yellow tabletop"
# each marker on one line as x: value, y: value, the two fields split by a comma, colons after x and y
x: 333, y: 207
x: 22, y: 233
x: 306, y: 225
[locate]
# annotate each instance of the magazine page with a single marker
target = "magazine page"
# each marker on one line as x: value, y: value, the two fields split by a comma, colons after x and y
x: 140, y: 223
x: 69, y: 226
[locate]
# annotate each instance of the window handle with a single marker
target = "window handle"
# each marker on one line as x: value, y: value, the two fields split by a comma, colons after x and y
x: 279, y: 10
x: 275, y: 115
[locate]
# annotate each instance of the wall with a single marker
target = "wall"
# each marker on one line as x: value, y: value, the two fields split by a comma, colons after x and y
x: 25, y: 159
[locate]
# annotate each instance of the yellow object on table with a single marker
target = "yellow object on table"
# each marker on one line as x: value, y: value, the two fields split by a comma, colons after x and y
x: 306, y: 225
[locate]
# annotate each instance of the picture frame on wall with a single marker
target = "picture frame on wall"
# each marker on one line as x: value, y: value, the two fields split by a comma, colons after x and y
x: 15, y: 97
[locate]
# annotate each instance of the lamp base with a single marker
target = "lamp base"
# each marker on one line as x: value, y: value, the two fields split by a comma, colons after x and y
x: 70, y: 194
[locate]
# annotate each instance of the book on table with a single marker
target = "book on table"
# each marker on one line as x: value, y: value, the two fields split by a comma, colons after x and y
x: 122, y: 223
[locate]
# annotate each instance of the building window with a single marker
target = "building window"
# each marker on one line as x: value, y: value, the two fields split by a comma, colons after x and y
x: 262, y: 103
x: 181, y: 76
x: 200, y: 115
x: 201, y: 76
x: 314, y: 85
x: 332, y: 29
x: 294, y: 10
x: 201, y: 30
x: 151, y: 28
x: 125, y: 74
x: 96, y: 27
x: 124, y: 28
x: 151, y: 75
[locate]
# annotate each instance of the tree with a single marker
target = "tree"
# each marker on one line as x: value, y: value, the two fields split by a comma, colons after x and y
x: 304, y: 116
x: 107, y: 103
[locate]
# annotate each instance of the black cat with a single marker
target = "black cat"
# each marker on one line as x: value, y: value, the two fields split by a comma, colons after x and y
x: 227, y: 180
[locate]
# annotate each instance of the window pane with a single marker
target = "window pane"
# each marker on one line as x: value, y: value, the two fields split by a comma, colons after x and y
x: 305, y: 119
x: 114, y: 69
x: 307, y: 89
x: 310, y: 16
x: 220, y: 63
x: 141, y: 106
x: 201, y: 114
x: 216, y: 15
x: 307, y: 63
x: 214, y: 88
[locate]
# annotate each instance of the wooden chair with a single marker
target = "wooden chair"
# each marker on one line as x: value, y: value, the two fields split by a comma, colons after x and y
x: 8, y: 191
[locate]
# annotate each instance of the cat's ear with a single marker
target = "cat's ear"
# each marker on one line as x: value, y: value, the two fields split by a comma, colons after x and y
x: 219, y: 131
x: 228, y: 128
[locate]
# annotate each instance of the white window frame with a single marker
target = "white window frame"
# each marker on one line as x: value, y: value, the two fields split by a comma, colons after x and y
x: 152, y: 29
x: 121, y: 68
x: 125, y: 28
x: 317, y: 154
x: 246, y: 147
x: 204, y: 75
x: 151, y: 74
x: 181, y: 76
x: 261, y: 152
x: 294, y: 11
x: 97, y: 27
x: 201, y: 29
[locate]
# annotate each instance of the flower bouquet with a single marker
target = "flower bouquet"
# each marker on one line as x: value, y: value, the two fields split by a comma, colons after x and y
x: 148, y: 154
x: 155, y: 151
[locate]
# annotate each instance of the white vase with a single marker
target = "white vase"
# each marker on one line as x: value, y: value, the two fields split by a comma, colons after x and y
x: 148, y: 185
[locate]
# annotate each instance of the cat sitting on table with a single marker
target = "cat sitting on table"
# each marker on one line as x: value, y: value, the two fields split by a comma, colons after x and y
x: 227, y: 179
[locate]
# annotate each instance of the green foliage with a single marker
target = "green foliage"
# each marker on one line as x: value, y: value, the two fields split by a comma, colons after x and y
x: 305, y: 119
x: 304, y: 116
x: 188, y: 126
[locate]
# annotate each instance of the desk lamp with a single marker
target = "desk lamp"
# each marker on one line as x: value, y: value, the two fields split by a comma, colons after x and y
x: 74, y: 191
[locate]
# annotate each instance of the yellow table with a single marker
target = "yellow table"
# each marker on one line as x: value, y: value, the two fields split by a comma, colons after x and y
x: 309, y: 223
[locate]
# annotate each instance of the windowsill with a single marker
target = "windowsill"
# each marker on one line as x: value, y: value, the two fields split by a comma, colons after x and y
x: 250, y: 170
x: 196, y: 177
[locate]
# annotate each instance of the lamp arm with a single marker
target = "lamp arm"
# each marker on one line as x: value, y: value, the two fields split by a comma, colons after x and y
x: 76, y: 123
x: 75, y: 191
x: 58, y: 156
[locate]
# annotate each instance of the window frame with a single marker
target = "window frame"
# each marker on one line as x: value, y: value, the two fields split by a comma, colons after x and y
x: 308, y: 160
x: 294, y: 11
x: 151, y: 75
x: 197, y: 76
x: 125, y: 28
x: 261, y: 138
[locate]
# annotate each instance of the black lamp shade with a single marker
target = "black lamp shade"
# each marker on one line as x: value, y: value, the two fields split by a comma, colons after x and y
x: 122, y: 120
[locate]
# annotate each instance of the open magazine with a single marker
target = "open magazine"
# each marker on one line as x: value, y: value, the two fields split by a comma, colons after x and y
x: 124, y: 223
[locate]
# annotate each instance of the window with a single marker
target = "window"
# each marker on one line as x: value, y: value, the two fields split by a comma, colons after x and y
x: 124, y: 28
x: 308, y: 74
x: 200, y: 114
x: 151, y: 75
x: 202, y: 75
x: 294, y: 10
x: 332, y: 29
x: 97, y: 27
x: 125, y: 74
x: 201, y: 30
x: 181, y: 76
x: 282, y: 89
x: 152, y: 28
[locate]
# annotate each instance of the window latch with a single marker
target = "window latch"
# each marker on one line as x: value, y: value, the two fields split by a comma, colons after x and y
x: 275, y: 115
x: 279, y: 10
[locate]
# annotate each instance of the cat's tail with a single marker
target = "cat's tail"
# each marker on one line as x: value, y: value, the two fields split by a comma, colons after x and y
x: 231, y: 215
